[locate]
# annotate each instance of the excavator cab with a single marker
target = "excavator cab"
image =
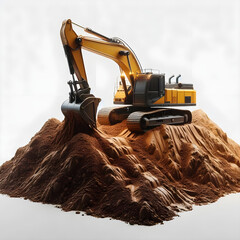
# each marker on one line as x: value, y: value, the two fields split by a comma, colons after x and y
x: 148, y: 89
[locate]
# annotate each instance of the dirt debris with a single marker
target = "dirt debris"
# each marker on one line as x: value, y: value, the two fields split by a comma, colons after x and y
x: 110, y: 172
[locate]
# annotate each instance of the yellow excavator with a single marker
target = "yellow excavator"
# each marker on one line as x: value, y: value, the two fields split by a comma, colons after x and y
x: 146, y: 97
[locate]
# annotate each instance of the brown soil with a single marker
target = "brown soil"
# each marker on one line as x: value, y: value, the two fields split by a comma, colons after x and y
x: 138, y: 178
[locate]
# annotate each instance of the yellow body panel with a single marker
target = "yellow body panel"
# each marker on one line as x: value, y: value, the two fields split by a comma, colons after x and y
x: 174, y: 96
x: 120, y: 95
x: 160, y: 101
x: 177, y: 96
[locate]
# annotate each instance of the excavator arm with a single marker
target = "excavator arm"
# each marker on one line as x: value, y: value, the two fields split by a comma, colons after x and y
x: 72, y: 50
x: 104, y: 46
x: 82, y: 105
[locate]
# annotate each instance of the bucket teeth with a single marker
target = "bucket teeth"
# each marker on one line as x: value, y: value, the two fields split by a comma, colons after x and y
x: 82, y: 112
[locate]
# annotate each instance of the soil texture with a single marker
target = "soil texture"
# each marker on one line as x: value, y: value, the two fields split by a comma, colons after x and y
x: 142, y: 178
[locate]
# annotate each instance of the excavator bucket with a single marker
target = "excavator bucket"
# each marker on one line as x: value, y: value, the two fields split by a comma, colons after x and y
x: 84, y: 112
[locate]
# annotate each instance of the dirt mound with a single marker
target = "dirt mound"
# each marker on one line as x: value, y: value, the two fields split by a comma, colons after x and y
x: 138, y: 178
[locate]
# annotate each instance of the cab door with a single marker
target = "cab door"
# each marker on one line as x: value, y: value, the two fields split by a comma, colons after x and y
x: 156, y: 88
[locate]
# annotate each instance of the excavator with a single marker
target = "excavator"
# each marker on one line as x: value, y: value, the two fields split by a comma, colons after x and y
x: 143, y: 97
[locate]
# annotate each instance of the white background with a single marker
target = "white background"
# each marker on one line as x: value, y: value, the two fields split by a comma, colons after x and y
x: 198, y: 39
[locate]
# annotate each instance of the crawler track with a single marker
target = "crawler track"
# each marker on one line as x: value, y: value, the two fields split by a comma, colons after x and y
x: 142, y: 119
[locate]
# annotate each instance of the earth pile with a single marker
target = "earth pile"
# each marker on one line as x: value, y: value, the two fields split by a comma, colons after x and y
x: 110, y: 172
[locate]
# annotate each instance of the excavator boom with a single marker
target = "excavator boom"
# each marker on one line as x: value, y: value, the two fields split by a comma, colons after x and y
x: 107, y: 47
